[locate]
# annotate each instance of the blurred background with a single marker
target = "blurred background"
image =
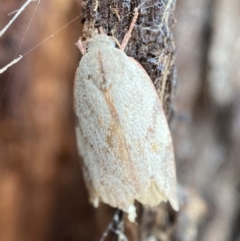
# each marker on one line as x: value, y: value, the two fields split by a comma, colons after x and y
x: 42, y: 193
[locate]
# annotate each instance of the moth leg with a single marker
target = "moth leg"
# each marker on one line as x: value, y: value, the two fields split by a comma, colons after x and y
x: 128, y: 34
x: 80, y: 46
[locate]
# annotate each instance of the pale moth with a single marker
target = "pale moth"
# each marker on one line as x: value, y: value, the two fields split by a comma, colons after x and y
x: 122, y: 132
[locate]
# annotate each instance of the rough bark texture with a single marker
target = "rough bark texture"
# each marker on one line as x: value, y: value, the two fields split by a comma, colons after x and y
x: 42, y: 194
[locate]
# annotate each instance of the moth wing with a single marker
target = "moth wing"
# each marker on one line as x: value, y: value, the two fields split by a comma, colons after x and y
x: 147, y: 133
x: 123, y: 134
x: 108, y: 170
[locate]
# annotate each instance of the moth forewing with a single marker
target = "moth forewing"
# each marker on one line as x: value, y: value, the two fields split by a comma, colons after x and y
x: 122, y: 134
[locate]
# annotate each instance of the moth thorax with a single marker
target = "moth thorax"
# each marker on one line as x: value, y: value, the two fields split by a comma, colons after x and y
x: 100, y: 41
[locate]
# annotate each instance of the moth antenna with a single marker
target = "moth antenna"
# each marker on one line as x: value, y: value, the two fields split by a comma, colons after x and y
x: 80, y: 46
x: 128, y: 34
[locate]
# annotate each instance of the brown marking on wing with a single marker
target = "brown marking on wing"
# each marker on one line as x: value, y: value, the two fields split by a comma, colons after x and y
x: 104, y: 85
x: 117, y: 140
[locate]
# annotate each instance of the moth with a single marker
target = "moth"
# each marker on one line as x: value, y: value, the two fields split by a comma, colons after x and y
x: 122, y: 132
